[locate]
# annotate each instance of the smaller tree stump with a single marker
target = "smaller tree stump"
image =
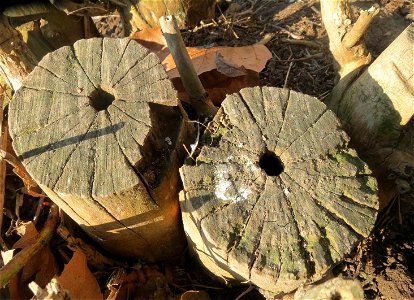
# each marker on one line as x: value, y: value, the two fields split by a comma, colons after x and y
x: 275, y: 197
x: 99, y: 127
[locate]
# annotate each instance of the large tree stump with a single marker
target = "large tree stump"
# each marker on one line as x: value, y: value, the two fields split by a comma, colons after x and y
x: 276, y: 197
x: 99, y: 127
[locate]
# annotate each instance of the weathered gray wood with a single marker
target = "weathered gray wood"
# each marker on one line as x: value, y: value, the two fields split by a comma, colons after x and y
x: 99, y: 127
x: 247, y: 222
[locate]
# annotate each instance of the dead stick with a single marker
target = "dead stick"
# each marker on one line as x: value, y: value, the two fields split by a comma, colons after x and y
x: 189, y: 77
x: 3, y: 143
x: 22, y: 258
x: 20, y: 171
x: 361, y: 25
x: 317, y: 55
x: 301, y: 42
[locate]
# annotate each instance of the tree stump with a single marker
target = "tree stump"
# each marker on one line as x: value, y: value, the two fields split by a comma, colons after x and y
x: 275, y: 197
x: 99, y: 127
x: 140, y: 14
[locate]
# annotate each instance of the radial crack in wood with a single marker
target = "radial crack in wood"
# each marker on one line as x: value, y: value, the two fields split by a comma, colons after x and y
x: 99, y: 127
x: 276, y: 197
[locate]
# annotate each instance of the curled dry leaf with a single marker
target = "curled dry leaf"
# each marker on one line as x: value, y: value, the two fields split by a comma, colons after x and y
x: 43, y: 264
x: 78, y: 279
x: 222, y: 70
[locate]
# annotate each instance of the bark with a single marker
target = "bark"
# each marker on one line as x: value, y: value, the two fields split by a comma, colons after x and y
x: 191, y: 82
x: 345, y: 41
x: 139, y: 14
x: 16, y: 59
x: 375, y: 103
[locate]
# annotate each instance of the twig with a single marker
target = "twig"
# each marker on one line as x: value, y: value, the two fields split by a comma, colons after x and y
x: 315, y: 10
x: 266, y: 38
x: 189, y: 78
x: 248, y: 290
x: 287, y: 75
x: 3, y: 144
x: 291, y: 34
x: 22, y: 258
x: 317, y: 55
x: 301, y: 42
x: 361, y: 25
x: 20, y: 171
x: 94, y: 257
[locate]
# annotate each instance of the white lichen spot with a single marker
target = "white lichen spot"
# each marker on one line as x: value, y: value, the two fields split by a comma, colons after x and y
x: 286, y: 191
x: 224, y: 187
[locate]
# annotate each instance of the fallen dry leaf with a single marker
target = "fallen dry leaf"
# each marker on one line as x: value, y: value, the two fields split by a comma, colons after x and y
x: 152, y: 39
x: 218, y: 85
x: 78, y: 279
x: 7, y: 255
x: 195, y: 295
x: 231, y: 68
x: 42, y: 266
x: 28, y: 233
x: 252, y: 57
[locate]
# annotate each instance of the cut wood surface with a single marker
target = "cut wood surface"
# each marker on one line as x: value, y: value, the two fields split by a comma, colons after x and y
x: 275, y: 196
x: 99, y: 127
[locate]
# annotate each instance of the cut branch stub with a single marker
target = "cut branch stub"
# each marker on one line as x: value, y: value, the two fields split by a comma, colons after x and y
x: 276, y: 197
x: 99, y: 127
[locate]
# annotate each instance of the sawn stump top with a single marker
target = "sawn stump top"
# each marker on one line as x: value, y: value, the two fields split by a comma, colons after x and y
x: 276, y: 197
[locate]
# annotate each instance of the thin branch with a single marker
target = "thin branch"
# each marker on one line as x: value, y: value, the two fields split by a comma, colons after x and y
x: 345, y: 42
x: 3, y: 143
x: 361, y: 25
x: 20, y: 171
x: 248, y: 290
x: 22, y: 258
x: 317, y: 55
x: 189, y: 77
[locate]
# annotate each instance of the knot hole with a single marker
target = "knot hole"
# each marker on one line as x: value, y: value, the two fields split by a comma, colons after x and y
x: 101, y: 99
x: 271, y: 164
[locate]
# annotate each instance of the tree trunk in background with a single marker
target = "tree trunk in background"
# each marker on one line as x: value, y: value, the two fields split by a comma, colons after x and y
x: 377, y: 111
x: 375, y: 104
x: 139, y: 14
x: 16, y: 58
x: 51, y: 29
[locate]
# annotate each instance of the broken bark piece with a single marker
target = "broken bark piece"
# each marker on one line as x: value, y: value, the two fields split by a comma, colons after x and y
x: 99, y: 127
x: 275, y: 197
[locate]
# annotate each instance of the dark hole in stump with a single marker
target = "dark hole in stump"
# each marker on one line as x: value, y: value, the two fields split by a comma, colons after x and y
x: 336, y: 296
x: 100, y: 99
x: 271, y: 164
